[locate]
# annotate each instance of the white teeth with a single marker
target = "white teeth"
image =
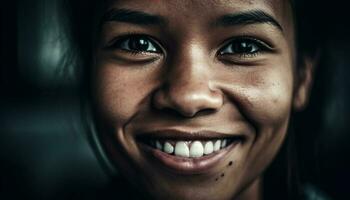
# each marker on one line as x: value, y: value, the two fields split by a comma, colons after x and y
x: 159, y: 145
x: 208, y: 148
x: 168, y: 148
x: 223, y: 143
x: 217, y: 145
x: 196, y: 149
x: 181, y: 149
x: 193, y: 149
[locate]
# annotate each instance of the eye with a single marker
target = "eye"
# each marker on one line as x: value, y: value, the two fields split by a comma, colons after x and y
x: 137, y: 44
x: 244, y: 46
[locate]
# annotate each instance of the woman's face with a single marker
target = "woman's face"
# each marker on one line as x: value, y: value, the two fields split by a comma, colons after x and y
x: 193, y: 98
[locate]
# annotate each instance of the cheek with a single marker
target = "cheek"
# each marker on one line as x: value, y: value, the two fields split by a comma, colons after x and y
x: 270, y: 99
x: 119, y: 93
x: 263, y: 96
x: 270, y: 102
x: 270, y: 105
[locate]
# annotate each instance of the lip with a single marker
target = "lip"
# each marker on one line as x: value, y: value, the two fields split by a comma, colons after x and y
x: 187, y: 135
x: 187, y: 166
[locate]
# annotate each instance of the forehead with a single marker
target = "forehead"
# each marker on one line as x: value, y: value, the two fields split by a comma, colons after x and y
x: 207, y: 9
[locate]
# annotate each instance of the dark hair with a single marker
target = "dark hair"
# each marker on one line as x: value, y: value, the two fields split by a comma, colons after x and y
x: 285, y: 172
x: 81, y: 27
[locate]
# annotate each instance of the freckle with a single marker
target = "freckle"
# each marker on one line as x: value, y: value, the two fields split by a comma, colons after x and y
x: 222, y: 175
x: 230, y: 163
x: 216, y: 179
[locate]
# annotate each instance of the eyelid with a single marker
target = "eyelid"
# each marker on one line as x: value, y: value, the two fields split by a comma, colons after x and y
x: 124, y: 37
x: 245, y: 59
x: 265, y: 45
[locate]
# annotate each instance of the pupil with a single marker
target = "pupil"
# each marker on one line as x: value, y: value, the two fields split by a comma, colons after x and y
x: 139, y: 44
x: 243, y: 47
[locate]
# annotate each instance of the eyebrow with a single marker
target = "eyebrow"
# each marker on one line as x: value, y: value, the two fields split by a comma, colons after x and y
x: 246, y: 18
x: 144, y: 19
x: 133, y: 17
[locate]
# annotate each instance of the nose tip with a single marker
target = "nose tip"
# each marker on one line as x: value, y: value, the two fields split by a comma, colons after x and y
x: 188, y: 99
x: 187, y: 85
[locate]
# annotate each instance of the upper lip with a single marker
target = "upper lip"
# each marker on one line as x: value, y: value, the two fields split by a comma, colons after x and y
x: 173, y: 134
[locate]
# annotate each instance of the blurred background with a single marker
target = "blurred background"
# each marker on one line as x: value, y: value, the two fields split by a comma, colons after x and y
x: 43, y: 152
x: 45, y: 155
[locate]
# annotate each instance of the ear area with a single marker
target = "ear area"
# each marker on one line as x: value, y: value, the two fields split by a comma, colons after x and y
x: 304, y: 81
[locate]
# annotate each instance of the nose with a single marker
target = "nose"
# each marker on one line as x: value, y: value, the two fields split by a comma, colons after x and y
x: 187, y: 88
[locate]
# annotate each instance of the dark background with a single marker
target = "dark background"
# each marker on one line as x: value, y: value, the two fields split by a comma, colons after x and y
x: 44, y: 153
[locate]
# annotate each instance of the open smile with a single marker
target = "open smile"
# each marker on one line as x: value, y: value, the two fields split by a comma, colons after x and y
x: 188, y: 153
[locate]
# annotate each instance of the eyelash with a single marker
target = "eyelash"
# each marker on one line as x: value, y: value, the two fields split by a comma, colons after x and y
x: 257, y: 47
x: 123, y: 43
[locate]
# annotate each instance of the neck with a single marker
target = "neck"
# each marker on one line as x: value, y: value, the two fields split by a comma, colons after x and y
x: 253, y: 191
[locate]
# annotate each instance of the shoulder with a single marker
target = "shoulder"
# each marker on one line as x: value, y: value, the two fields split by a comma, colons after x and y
x: 311, y: 192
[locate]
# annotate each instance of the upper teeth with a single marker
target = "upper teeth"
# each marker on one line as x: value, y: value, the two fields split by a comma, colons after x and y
x: 192, y: 149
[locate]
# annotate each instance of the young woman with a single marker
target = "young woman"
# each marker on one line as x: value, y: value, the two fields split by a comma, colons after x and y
x: 193, y: 99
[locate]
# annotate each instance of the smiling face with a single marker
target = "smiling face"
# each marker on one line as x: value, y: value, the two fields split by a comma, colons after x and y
x: 193, y: 98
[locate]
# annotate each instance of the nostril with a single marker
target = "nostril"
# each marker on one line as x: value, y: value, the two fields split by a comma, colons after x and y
x: 189, y: 100
x: 182, y: 111
x: 176, y: 113
x: 204, y: 112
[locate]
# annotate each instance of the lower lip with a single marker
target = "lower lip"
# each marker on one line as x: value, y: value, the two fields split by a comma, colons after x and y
x: 188, y: 166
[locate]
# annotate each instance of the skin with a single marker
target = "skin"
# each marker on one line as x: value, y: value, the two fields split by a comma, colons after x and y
x: 188, y: 85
